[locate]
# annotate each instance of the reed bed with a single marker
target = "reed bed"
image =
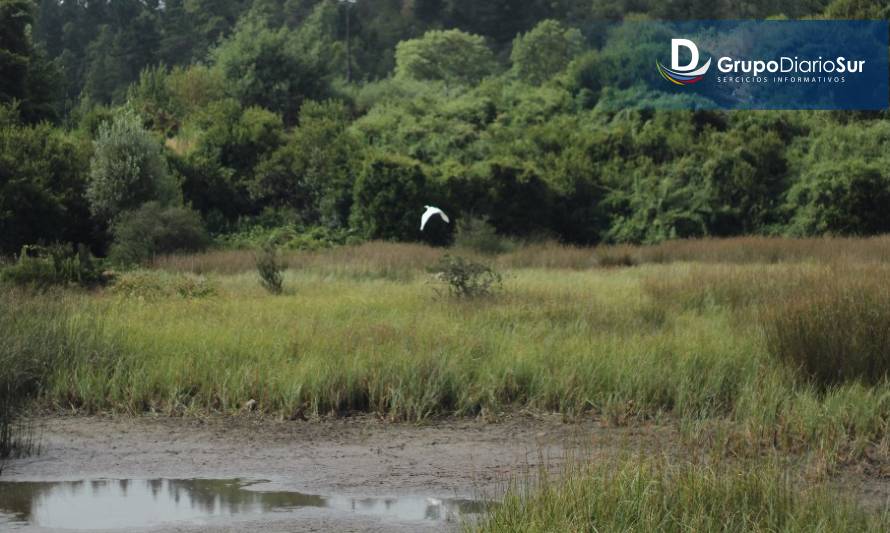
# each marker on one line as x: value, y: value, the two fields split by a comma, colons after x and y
x: 646, y: 494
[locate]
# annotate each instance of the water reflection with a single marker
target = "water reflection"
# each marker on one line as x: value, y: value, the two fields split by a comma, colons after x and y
x: 99, y: 504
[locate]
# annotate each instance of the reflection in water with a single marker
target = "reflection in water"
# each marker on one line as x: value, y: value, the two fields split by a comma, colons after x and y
x: 99, y: 504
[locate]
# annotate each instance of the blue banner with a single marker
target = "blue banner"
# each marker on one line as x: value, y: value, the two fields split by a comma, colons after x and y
x: 725, y: 64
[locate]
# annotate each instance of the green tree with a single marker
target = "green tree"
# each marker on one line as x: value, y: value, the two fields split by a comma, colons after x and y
x: 15, y: 48
x: 846, y: 197
x: 451, y: 56
x: 314, y: 171
x: 219, y: 163
x: 275, y: 69
x: 42, y: 184
x: 389, y: 198
x: 128, y: 169
x: 545, y: 51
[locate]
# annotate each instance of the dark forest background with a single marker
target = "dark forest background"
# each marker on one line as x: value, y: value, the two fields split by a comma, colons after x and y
x: 250, y: 119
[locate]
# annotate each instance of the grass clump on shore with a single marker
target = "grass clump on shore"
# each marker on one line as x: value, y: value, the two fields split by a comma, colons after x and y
x: 41, y: 335
x: 641, y: 494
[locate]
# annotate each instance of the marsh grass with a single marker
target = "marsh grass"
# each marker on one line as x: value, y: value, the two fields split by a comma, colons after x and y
x: 40, y: 337
x: 362, y: 332
x: 838, y: 330
x: 646, y: 494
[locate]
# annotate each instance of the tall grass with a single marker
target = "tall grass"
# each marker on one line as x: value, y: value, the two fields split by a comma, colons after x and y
x: 640, y: 494
x: 39, y: 336
x: 838, y: 330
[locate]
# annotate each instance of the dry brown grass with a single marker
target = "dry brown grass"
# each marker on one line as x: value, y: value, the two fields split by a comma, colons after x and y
x: 403, y: 261
x: 829, y: 322
x: 746, y: 250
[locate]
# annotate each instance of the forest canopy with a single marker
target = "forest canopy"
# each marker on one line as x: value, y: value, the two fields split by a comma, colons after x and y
x: 320, y: 115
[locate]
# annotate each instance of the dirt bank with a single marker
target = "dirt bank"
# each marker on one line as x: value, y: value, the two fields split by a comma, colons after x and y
x: 359, y: 456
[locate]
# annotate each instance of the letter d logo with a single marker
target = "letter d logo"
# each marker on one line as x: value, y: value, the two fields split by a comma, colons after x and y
x: 683, y: 74
x: 675, y: 54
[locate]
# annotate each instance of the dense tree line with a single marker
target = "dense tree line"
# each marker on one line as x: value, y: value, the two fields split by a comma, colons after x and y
x: 232, y: 113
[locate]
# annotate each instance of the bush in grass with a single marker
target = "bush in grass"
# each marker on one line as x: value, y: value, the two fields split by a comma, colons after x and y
x: 270, y: 270
x: 837, y: 330
x: 59, y: 264
x: 155, y: 284
x: 153, y: 230
x: 467, y: 279
x: 478, y: 235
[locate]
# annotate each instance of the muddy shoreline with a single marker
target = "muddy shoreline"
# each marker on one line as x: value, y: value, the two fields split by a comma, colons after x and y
x: 359, y: 456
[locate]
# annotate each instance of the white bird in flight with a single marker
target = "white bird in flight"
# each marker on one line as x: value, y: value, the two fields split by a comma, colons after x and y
x: 430, y: 211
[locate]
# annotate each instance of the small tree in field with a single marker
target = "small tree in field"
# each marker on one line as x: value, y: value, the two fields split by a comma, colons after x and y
x: 270, y: 268
x: 128, y: 169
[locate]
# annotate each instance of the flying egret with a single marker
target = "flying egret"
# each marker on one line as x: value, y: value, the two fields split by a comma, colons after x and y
x: 430, y: 211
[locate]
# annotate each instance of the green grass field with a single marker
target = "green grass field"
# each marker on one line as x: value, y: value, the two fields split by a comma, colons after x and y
x: 729, y: 351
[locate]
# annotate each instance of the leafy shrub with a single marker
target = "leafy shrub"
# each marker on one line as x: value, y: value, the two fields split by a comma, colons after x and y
x: 128, y: 169
x: 478, y: 235
x: 467, y: 279
x: 59, y: 264
x: 149, y: 284
x: 153, y: 230
x: 837, y: 330
x: 269, y: 269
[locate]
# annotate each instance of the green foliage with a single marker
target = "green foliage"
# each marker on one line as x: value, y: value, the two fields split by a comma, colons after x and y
x: 152, y: 230
x: 858, y: 9
x: 313, y: 171
x: 843, y: 195
x: 545, y: 51
x: 217, y: 157
x: 128, y: 169
x: 249, y: 100
x: 60, y: 264
x: 42, y: 187
x: 291, y: 237
x: 450, y: 56
x: 270, y: 269
x: 467, y: 279
x: 276, y: 69
x: 26, y: 75
x: 389, y: 197
x: 15, y: 16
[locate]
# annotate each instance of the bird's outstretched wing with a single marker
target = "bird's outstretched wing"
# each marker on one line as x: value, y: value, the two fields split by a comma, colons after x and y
x: 429, y: 214
x: 426, y: 218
